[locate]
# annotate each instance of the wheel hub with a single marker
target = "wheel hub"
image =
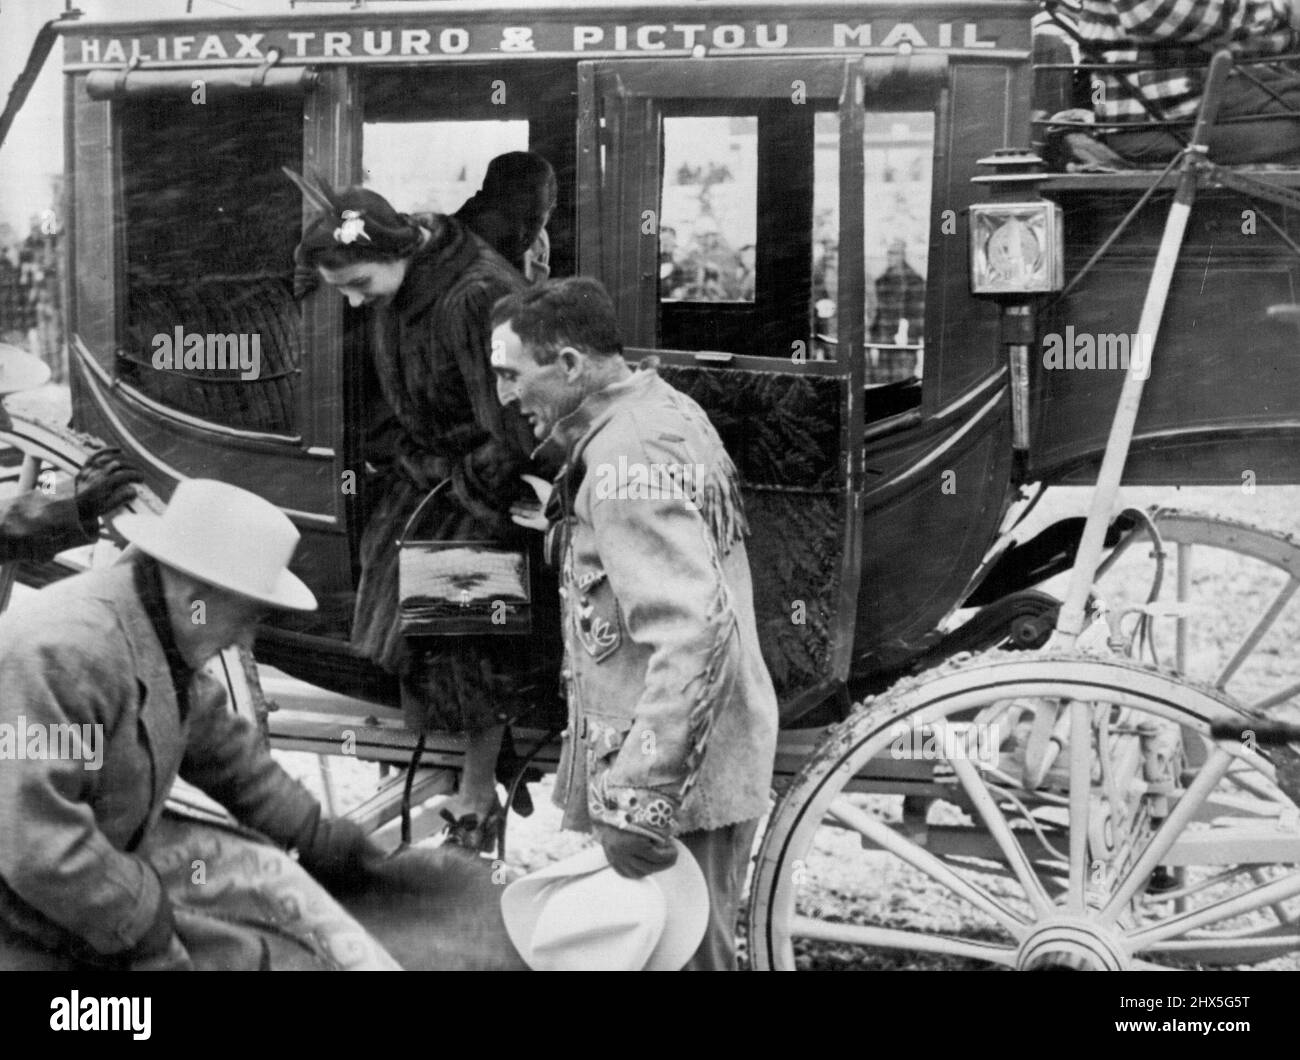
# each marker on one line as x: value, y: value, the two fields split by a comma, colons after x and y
x: 1071, y: 944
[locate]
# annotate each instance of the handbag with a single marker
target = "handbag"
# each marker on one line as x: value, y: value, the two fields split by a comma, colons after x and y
x: 460, y: 588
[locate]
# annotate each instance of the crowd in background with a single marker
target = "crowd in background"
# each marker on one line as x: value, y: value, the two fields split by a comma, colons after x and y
x: 30, y: 301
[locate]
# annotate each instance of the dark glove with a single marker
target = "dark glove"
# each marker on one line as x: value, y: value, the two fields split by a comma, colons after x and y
x: 633, y: 854
x: 339, y: 853
x: 104, y: 483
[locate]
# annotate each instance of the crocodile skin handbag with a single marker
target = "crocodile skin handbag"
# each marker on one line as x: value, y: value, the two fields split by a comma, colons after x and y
x: 459, y: 588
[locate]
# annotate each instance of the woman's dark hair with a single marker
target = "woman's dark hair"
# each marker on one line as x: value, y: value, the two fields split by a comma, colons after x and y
x: 574, y: 312
x: 363, y: 228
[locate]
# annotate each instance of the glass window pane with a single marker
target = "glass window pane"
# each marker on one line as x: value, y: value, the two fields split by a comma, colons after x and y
x: 211, y: 327
x: 709, y: 211
x: 434, y: 166
x: 898, y: 162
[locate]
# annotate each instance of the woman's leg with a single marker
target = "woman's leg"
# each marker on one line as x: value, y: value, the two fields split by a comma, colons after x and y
x: 477, y: 791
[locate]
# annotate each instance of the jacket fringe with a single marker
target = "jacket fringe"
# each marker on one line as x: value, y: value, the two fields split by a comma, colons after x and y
x: 723, y: 508
x: 710, y: 684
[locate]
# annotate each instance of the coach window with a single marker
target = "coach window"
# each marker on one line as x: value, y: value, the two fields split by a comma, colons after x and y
x: 898, y: 170
x: 210, y: 327
x: 707, y: 230
x: 430, y: 132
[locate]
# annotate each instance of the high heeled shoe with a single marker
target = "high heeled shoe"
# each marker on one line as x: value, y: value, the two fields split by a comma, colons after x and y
x: 483, y: 836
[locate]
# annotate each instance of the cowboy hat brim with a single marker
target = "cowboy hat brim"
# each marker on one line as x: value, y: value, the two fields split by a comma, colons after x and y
x: 683, y: 886
x: 20, y: 371
x: 145, y: 531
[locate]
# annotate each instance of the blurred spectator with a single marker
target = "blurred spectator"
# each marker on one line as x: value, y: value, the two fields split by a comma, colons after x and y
x: 900, y: 295
x: 672, y: 277
x: 711, y: 265
x: 745, y: 274
x: 39, y: 271
x: 16, y: 311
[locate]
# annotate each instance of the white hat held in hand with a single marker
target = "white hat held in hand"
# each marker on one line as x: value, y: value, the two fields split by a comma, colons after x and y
x: 580, y: 915
x: 20, y: 370
x: 227, y: 537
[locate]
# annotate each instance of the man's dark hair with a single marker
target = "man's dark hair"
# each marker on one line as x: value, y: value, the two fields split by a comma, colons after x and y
x: 575, y: 312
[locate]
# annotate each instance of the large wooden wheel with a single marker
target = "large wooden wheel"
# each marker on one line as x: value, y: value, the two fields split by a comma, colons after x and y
x: 910, y: 838
x: 1218, y: 603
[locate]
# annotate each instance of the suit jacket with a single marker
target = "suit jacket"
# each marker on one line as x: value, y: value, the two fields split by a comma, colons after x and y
x: 84, y: 652
x: 672, y: 714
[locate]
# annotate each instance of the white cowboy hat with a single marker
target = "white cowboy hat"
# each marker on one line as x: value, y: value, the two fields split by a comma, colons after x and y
x: 580, y: 915
x: 20, y: 371
x: 224, y: 536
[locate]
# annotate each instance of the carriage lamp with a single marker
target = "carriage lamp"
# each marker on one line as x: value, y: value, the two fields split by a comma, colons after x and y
x: 1016, y: 248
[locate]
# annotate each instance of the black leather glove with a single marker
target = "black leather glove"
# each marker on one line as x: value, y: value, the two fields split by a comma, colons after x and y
x: 104, y: 483
x: 339, y: 853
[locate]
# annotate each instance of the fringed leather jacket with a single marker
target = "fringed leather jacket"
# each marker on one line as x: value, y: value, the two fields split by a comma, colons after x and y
x: 672, y: 714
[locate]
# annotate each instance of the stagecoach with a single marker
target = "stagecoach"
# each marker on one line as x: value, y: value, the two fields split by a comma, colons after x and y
x: 1035, y: 769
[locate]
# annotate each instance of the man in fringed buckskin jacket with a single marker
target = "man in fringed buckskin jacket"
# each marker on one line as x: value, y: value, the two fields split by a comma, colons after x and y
x: 672, y: 714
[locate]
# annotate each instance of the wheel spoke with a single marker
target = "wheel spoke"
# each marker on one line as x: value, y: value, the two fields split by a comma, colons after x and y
x: 1257, y: 633
x: 922, y: 860
x: 893, y: 939
x: 1180, y: 624
x: 1279, y: 910
x: 1269, y: 702
x: 992, y: 817
x: 1179, y: 817
x: 1080, y: 797
x: 1226, y: 909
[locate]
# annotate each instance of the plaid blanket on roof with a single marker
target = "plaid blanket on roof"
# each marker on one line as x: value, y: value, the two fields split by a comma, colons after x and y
x: 1177, y: 34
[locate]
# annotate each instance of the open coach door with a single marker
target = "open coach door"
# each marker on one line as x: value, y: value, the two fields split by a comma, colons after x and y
x: 714, y: 196
x: 188, y: 348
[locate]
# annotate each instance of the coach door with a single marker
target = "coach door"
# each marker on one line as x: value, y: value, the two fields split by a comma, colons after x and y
x: 703, y: 207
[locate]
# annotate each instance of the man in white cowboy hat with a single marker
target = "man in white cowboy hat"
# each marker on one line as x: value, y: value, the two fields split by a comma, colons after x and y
x: 36, y: 526
x: 104, y: 705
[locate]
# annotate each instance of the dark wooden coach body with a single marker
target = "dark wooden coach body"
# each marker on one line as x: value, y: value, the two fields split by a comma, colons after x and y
x: 874, y: 508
